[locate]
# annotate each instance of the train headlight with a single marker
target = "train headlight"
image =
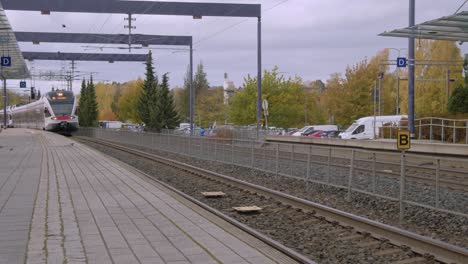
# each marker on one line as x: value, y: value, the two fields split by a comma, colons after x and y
x: 54, y: 118
x: 72, y: 117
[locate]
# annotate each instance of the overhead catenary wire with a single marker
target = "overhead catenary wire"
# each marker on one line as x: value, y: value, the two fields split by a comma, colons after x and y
x: 238, y: 23
x: 462, y: 5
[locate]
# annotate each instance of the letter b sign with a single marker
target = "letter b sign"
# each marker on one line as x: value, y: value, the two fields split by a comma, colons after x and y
x: 404, y: 140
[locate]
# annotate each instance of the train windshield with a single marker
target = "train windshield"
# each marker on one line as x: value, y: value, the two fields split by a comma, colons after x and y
x: 61, y: 102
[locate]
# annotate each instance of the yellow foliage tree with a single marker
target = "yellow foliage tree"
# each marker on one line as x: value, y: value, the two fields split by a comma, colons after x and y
x: 104, y: 96
x: 128, y: 102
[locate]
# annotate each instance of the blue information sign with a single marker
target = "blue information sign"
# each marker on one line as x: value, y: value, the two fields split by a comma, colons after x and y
x: 6, y: 61
x: 22, y: 84
x: 401, y: 62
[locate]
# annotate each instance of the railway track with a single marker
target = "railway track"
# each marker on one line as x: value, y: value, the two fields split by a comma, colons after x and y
x: 382, y: 240
x: 425, y: 173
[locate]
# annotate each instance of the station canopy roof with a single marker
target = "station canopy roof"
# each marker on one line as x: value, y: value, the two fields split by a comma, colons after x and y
x: 59, y: 56
x: 453, y: 28
x: 144, y: 40
x: 9, y: 48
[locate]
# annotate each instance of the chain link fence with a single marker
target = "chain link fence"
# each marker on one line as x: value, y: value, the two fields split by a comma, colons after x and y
x: 433, y: 182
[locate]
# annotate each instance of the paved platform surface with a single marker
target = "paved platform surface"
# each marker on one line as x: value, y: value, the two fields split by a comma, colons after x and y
x: 62, y: 202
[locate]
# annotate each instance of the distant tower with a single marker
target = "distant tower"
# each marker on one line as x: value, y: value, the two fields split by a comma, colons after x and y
x: 229, y: 89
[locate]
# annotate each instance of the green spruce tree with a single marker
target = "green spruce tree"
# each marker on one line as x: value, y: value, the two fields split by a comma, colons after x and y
x: 93, y: 113
x: 82, y: 105
x: 170, y: 118
x: 147, y: 103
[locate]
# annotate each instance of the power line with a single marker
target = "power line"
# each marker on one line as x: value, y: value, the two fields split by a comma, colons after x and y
x: 240, y: 22
x: 461, y: 6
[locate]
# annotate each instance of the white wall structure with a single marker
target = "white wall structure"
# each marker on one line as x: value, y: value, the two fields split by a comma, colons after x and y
x: 229, y: 89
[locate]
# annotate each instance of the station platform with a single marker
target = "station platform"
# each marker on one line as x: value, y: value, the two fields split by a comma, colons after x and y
x: 63, y: 202
x: 417, y: 146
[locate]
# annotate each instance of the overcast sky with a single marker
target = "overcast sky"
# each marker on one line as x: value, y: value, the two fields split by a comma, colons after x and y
x: 310, y: 38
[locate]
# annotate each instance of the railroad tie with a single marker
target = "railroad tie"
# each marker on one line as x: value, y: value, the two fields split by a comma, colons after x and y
x: 370, y: 244
x: 411, y: 261
x: 386, y: 252
x: 351, y: 237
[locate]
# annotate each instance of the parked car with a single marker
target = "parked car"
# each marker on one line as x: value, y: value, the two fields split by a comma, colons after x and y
x: 307, y: 133
x: 330, y: 134
x: 368, y: 127
x: 291, y: 131
x: 308, y: 129
x: 316, y: 134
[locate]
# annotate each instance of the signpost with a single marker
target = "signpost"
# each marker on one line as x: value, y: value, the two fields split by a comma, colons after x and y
x: 401, y: 62
x: 6, y: 61
x: 403, y: 144
x: 265, y: 112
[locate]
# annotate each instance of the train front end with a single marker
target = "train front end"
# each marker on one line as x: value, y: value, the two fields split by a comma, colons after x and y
x: 60, y: 108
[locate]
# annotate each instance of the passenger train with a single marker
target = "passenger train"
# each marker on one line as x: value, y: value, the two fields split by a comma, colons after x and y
x: 54, y: 111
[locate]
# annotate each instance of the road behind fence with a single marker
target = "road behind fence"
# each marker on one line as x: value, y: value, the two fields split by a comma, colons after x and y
x: 433, y: 182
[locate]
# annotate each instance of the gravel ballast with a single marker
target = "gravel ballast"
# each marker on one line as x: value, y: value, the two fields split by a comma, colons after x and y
x: 441, y: 226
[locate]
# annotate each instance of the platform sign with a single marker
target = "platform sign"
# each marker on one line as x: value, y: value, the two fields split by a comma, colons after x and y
x: 401, y: 62
x: 22, y: 84
x: 403, y: 140
x: 6, y: 61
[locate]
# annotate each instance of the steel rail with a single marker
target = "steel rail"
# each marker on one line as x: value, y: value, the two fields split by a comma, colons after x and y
x: 272, y: 243
x: 423, y: 245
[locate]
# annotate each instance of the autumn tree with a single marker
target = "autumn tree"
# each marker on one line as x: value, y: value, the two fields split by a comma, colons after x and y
x: 13, y: 99
x: 115, y: 102
x: 210, y: 107
x: 349, y: 97
x: 129, y: 101
x: 105, y: 97
x: 286, y: 98
x: 200, y: 85
x: 430, y: 85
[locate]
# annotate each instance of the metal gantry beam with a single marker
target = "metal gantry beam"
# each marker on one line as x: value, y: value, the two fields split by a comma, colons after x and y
x: 196, y: 10
x: 38, y: 37
x: 136, y: 7
x: 84, y: 56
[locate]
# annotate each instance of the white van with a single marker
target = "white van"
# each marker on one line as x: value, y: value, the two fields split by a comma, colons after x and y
x: 363, y: 128
x: 308, y: 129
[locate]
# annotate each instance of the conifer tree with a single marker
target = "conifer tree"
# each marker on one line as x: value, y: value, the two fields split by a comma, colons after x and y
x: 147, y: 105
x: 92, y: 104
x: 170, y: 118
x: 82, y: 105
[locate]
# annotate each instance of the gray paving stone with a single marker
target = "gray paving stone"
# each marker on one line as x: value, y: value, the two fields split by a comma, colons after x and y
x: 97, y: 207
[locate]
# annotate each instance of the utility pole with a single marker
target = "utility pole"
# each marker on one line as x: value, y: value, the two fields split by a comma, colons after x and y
x: 72, y: 74
x: 412, y: 7
x: 130, y: 27
x: 381, y: 75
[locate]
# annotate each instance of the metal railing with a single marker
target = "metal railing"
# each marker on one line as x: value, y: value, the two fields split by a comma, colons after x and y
x: 435, y: 129
x: 436, y: 183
